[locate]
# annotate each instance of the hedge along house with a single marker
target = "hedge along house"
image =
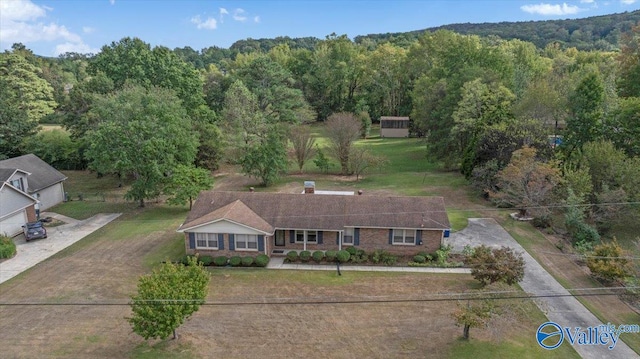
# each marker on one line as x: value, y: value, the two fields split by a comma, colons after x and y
x: 392, y: 126
x: 236, y: 223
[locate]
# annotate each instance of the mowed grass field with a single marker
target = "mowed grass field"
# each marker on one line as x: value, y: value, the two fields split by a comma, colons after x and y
x: 103, y: 269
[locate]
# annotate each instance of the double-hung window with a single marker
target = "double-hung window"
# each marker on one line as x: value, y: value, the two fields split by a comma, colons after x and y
x: 312, y: 236
x: 247, y: 242
x: 404, y: 236
x: 347, y: 237
x: 207, y: 240
x: 17, y: 183
x: 299, y: 236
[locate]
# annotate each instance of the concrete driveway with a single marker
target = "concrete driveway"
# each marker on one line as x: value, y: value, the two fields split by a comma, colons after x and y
x: 566, y: 311
x: 59, y: 237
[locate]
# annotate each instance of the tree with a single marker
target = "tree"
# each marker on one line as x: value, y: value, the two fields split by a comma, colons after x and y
x: 361, y: 160
x: 144, y: 133
x: 342, y: 130
x: 584, y: 123
x: 56, y: 148
x: 473, y: 314
x: 583, y: 236
x: 496, y: 265
x: 211, y: 146
x: 266, y: 158
x: 185, y: 183
x: 608, y: 261
x: 303, y: 145
x: 25, y: 97
x: 629, y: 60
x: 526, y: 182
x: 242, y: 121
x: 321, y: 161
x: 168, y: 296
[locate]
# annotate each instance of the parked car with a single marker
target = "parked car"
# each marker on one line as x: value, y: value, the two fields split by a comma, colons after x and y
x: 34, y: 230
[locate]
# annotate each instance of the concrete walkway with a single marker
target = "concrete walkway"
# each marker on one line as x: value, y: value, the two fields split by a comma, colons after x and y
x: 565, y: 311
x: 59, y: 238
x: 278, y: 263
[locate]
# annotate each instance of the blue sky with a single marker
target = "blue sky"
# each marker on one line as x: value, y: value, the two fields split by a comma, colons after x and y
x: 51, y: 27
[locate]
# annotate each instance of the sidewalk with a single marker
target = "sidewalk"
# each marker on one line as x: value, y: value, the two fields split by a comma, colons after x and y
x: 60, y: 237
x: 278, y: 263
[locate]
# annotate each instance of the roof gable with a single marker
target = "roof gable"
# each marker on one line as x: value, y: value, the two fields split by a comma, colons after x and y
x: 235, y: 212
x: 42, y: 174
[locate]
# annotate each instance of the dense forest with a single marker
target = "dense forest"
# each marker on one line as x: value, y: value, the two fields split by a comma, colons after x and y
x: 485, y: 106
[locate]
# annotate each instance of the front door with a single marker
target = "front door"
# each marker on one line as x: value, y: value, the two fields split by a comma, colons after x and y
x: 280, y: 238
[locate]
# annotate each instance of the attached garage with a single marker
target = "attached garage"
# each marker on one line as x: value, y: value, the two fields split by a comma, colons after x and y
x: 12, y: 224
x: 16, y: 209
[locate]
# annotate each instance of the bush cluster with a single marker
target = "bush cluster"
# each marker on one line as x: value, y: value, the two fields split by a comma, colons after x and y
x: 305, y: 256
x: 260, y: 260
x: 318, y: 256
x: 7, y: 247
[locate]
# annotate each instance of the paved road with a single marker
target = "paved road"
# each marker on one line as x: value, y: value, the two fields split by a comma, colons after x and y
x: 60, y: 237
x: 566, y: 311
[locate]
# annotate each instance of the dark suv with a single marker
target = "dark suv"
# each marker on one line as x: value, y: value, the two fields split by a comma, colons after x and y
x: 34, y: 230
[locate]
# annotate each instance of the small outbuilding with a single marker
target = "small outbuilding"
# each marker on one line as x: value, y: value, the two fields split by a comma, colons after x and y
x: 394, y: 126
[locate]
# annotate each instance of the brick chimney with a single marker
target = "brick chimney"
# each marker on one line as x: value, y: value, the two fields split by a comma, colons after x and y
x: 309, y: 187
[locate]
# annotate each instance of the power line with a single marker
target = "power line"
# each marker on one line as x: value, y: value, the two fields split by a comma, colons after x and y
x: 444, y: 298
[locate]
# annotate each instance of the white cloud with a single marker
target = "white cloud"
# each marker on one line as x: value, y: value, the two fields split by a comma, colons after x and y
x: 210, y: 23
x: 22, y: 10
x: 550, y: 9
x: 88, y: 30
x: 81, y: 48
x: 223, y: 11
x: 256, y: 19
x: 20, y: 21
x: 587, y: 1
x: 628, y: 2
x: 239, y: 15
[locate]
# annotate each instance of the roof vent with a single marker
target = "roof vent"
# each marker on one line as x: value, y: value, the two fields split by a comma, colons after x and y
x: 309, y: 187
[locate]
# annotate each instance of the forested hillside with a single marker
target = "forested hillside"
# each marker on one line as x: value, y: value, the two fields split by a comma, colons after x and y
x: 591, y: 33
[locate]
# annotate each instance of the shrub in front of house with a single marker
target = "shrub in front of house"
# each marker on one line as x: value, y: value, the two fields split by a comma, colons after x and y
x: 247, y: 261
x: 343, y: 256
x: 384, y: 257
x: 360, y: 257
x: 330, y: 255
x: 419, y: 259
x: 235, y: 261
x: 7, y: 247
x: 352, y: 250
x: 262, y: 260
x: 206, y: 260
x: 305, y: 256
x: 292, y: 256
x: 220, y: 261
x: 318, y: 256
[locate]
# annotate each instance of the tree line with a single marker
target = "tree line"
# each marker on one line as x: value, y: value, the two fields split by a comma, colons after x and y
x: 485, y: 106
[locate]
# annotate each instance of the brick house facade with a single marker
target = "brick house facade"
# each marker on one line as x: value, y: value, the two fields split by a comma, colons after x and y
x: 245, y: 223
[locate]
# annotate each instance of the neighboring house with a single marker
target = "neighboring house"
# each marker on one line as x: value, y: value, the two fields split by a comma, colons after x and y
x: 16, y: 208
x: 35, y: 177
x: 230, y: 223
x: 391, y: 126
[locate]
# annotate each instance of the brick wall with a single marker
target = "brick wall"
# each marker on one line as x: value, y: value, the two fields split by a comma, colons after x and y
x: 328, y: 243
x: 225, y: 251
x: 372, y: 239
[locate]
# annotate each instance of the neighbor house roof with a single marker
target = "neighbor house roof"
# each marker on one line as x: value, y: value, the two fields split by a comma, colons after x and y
x: 319, y: 212
x: 42, y: 174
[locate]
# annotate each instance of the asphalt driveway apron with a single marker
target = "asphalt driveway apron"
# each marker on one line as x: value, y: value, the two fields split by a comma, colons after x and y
x: 567, y: 311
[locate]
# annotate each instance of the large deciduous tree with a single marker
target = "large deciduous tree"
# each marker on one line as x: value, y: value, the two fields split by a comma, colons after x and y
x: 584, y: 123
x: 303, y: 145
x: 143, y: 133
x: 496, y: 265
x: 25, y: 97
x: 629, y: 60
x: 185, y: 183
x: 526, y: 182
x: 168, y: 296
x: 266, y: 158
x: 342, y: 130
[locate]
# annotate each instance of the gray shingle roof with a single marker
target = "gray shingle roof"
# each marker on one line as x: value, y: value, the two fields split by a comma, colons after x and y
x: 326, y: 212
x: 42, y: 174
